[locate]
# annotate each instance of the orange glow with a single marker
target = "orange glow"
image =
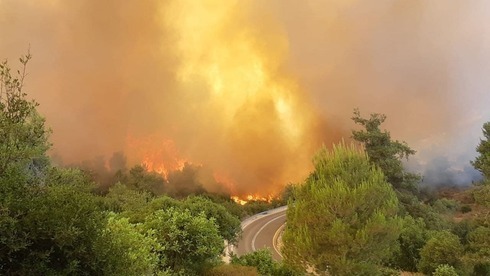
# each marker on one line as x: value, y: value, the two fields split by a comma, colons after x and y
x: 157, y: 154
x: 246, y: 199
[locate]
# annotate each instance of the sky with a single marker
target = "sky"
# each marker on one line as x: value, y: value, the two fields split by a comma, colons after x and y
x: 251, y: 89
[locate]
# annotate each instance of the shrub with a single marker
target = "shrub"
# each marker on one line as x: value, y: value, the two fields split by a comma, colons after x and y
x: 445, y: 270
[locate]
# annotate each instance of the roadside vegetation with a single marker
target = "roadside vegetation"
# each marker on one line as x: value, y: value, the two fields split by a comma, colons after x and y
x: 358, y: 213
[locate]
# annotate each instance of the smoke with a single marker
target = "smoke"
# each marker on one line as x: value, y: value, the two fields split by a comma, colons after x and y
x: 250, y: 89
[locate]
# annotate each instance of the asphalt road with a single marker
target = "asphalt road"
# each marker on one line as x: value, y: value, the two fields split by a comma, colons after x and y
x: 261, y: 231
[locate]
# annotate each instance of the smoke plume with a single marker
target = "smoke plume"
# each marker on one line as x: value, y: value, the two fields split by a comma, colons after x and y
x: 250, y: 89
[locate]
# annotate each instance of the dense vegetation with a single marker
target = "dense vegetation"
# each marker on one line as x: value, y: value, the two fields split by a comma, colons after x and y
x: 58, y: 221
x: 358, y: 213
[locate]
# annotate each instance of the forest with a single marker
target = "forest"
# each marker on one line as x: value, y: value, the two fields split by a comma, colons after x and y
x: 359, y: 212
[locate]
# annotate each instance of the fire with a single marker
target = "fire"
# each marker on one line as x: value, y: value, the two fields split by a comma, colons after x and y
x: 254, y: 118
x: 157, y: 154
x: 239, y: 200
x: 250, y: 197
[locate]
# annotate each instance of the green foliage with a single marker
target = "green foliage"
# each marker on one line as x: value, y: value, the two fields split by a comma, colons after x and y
x: 479, y: 242
x: 445, y: 270
x: 482, y: 195
x: 128, y: 202
x: 232, y: 270
x: 125, y: 250
x: 253, y: 207
x: 384, y: 152
x: 466, y: 209
x: 234, y: 208
x: 262, y: 260
x: 23, y: 136
x: 478, y: 250
x: 140, y: 179
x: 411, y: 240
x: 187, y: 243
x: 229, y: 226
x: 482, y: 161
x: 445, y: 206
x: 417, y: 209
x: 442, y: 248
x: 343, y: 219
x: 52, y: 223
x: 185, y: 182
x: 463, y: 229
x: 57, y: 226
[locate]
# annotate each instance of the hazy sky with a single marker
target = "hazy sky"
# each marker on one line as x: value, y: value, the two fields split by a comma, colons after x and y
x: 251, y: 89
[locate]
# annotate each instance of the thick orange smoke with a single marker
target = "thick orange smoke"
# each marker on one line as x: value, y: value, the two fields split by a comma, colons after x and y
x: 248, y: 89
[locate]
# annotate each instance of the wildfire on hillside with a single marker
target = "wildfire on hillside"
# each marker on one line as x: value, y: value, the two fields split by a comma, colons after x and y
x: 246, y: 199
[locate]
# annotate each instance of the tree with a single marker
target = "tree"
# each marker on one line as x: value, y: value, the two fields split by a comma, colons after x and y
x: 384, y: 152
x: 229, y: 226
x: 445, y: 270
x: 130, y: 203
x: 142, y: 180
x: 126, y: 249
x: 478, y: 253
x: 343, y: 219
x: 443, y: 248
x: 482, y: 161
x: 188, y: 243
x: 54, y: 228
x: 412, y: 238
x: 23, y: 135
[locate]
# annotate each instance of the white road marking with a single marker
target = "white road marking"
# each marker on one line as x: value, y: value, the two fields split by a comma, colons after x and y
x: 276, y: 236
x: 262, y: 228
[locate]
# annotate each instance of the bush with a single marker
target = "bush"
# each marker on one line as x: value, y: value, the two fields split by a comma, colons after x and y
x: 482, y: 195
x: 232, y: 270
x: 466, y: 209
x: 262, y: 260
x: 443, y: 248
x: 445, y: 205
x: 412, y: 238
x: 445, y: 270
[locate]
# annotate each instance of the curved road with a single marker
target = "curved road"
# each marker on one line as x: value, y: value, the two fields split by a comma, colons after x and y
x: 261, y: 231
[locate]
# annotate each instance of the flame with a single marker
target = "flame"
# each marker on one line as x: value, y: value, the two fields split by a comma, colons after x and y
x: 255, y: 197
x: 157, y: 154
x: 255, y: 114
x: 239, y: 200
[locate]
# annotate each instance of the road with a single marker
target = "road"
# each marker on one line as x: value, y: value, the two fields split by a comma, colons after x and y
x: 261, y: 231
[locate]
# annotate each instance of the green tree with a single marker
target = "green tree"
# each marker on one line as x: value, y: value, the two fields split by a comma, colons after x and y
x: 130, y: 203
x: 56, y: 227
x: 23, y: 135
x: 343, y: 219
x: 188, y: 243
x: 125, y: 249
x: 443, y: 248
x: 141, y: 179
x: 412, y: 238
x: 445, y: 270
x: 478, y: 251
x: 229, y: 226
x: 482, y: 161
x: 384, y: 152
